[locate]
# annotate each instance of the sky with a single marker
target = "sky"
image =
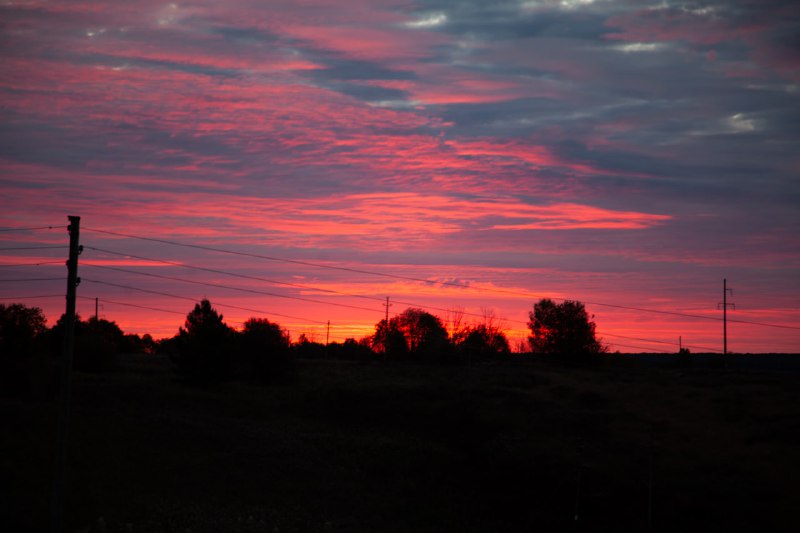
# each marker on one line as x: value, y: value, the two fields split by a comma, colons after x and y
x: 459, y: 156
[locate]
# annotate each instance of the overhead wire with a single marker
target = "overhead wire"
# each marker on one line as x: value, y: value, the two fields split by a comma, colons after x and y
x: 10, y: 229
x: 272, y: 258
x: 43, y: 247
x: 320, y: 289
x: 168, y: 295
x: 426, y: 281
x: 231, y: 287
x: 309, y: 287
x: 646, y: 350
x: 295, y: 285
x: 149, y: 308
x: 20, y: 280
x: 671, y: 343
x: 31, y: 297
x: 40, y: 263
x: 235, y: 274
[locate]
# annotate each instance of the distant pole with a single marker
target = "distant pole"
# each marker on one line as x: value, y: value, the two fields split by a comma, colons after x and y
x: 386, y: 331
x: 57, y: 494
x: 724, y: 316
x: 328, y: 333
x: 96, y: 301
x: 725, y: 305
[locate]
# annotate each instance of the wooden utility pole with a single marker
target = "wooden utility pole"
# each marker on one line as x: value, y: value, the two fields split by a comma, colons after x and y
x: 96, y: 305
x: 386, y: 326
x: 57, y: 493
x: 328, y: 333
x: 725, y: 305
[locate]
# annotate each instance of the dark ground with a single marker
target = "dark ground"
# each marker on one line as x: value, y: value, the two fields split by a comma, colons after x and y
x: 397, y: 447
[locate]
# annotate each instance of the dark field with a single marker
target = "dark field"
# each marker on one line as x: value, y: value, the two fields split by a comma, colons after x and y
x: 398, y: 447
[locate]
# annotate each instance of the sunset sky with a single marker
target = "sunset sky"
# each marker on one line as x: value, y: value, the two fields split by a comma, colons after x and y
x: 447, y: 154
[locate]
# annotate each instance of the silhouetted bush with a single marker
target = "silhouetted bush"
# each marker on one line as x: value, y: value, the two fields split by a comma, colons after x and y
x: 684, y: 359
x: 481, y: 342
x: 264, y: 353
x: 203, y: 350
x: 351, y: 350
x: 96, y: 343
x: 306, y: 348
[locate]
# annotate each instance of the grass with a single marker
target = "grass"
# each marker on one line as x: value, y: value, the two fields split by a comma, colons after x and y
x: 397, y: 447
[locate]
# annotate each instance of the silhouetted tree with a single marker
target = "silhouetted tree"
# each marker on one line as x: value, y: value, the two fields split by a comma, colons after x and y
x: 482, y: 341
x: 264, y: 351
x: 562, y: 330
x: 149, y: 345
x: 351, y: 350
x: 414, y: 333
x: 22, y: 329
x: 203, y: 347
x: 20, y: 326
x: 389, y: 340
x: 96, y: 343
x: 684, y: 359
x: 306, y: 348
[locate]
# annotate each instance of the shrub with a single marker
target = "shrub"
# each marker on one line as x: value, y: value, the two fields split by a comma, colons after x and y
x: 203, y: 348
x: 264, y: 352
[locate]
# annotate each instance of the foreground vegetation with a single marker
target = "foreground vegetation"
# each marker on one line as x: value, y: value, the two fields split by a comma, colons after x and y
x: 400, y: 446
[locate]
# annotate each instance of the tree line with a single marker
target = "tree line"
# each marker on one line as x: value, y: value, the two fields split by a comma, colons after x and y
x: 206, y: 349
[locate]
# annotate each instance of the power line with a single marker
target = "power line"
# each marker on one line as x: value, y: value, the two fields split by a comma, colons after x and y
x: 739, y: 321
x: 310, y: 287
x: 216, y: 285
x: 48, y: 247
x: 631, y: 346
x: 105, y: 300
x: 168, y: 295
x: 31, y: 297
x: 421, y: 280
x: 32, y: 264
x: 231, y: 287
x: 271, y: 258
x: 235, y: 274
x: 29, y: 279
x: 4, y: 230
x: 655, y: 341
x: 296, y: 285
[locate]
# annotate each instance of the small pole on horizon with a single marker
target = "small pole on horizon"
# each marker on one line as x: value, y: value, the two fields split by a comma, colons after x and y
x: 386, y: 331
x: 96, y: 302
x: 328, y: 333
x: 725, y: 305
x: 680, y: 344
